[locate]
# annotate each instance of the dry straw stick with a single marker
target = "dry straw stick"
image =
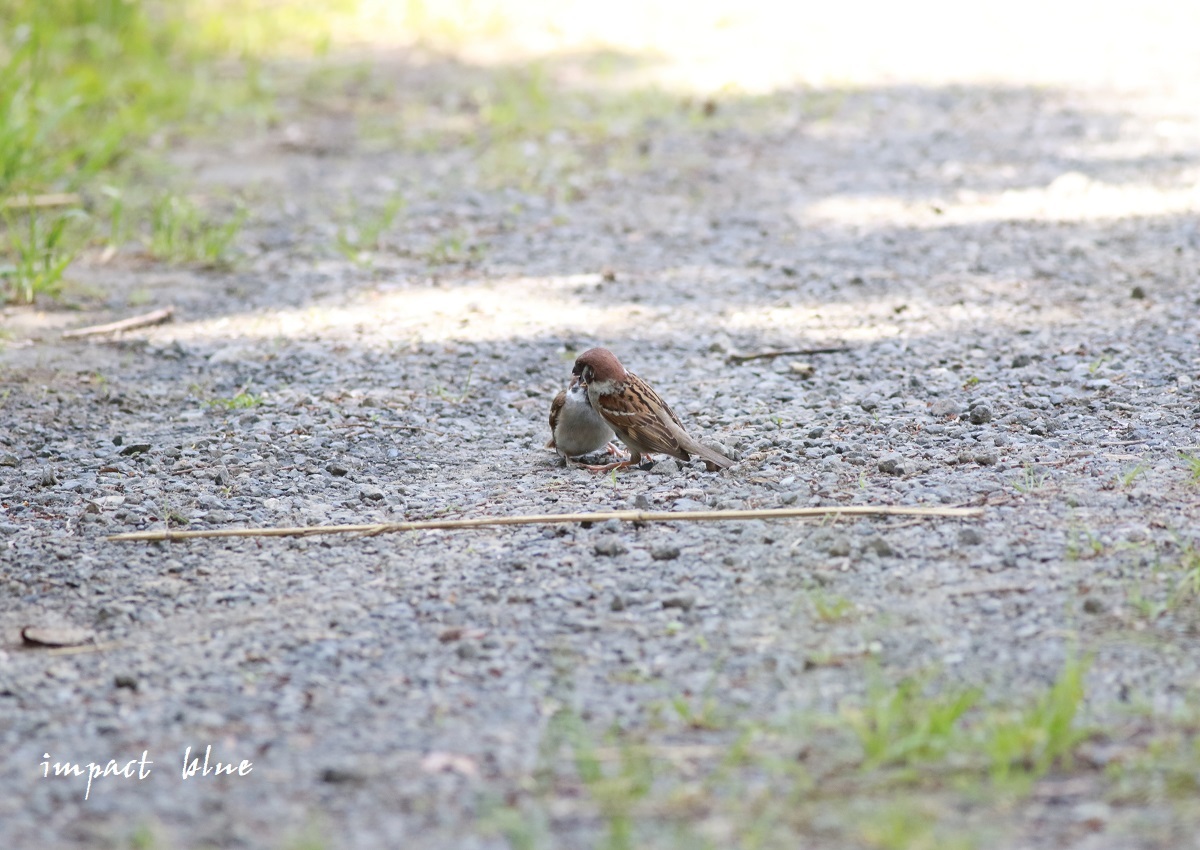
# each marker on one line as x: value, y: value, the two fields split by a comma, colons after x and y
x: 156, y: 317
x: 549, y: 519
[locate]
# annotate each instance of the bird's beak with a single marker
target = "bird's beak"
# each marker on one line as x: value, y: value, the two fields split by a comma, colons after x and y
x: 577, y: 381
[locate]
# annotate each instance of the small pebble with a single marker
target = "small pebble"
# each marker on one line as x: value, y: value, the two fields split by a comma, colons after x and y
x: 944, y: 407
x: 892, y: 464
x: 839, y: 546
x: 980, y: 414
x: 970, y: 537
x: 610, y: 546
x: 880, y: 547
x: 683, y: 601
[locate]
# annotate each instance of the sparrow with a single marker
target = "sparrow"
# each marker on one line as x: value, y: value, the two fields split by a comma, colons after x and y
x: 635, y: 411
x: 575, y: 428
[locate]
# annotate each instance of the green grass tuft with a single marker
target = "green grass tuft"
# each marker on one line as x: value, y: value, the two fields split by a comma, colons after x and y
x: 1193, y: 464
x: 900, y: 726
x: 180, y: 232
x: 86, y: 85
x: 38, y: 247
x: 1025, y: 744
x: 84, y: 79
x: 242, y: 401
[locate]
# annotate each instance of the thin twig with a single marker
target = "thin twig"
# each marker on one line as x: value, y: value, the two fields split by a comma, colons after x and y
x: 115, y: 645
x: 395, y: 426
x: 1000, y: 588
x: 399, y: 427
x: 550, y: 519
x: 156, y: 317
x: 37, y: 202
x: 734, y: 357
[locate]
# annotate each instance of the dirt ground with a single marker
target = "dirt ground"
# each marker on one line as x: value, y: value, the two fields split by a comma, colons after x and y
x: 1007, y: 274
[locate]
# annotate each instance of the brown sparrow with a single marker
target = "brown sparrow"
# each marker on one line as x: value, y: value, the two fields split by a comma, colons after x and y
x: 640, y: 417
x: 575, y: 428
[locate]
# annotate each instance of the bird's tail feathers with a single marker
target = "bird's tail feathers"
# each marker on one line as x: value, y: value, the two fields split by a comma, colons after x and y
x: 711, y: 457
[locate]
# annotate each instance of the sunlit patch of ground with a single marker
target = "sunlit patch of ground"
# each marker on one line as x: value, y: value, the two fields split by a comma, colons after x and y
x: 759, y: 45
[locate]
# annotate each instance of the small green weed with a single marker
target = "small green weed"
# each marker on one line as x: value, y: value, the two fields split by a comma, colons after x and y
x: 830, y: 609
x: 1032, y: 479
x: 181, y: 233
x: 454, y: 248
x: 466, y: 390
x: 242, y: 401
x: 903, y: 825
x: 616, y: 790
x: 40, y: 249
x: 522, y: 830
x: 118, y: 224
x: 365, y: 230
x: 1024, y: 745
x: 144, y: 837
x: 1187, y: 589
x: 900, y: 726
x: 1083, y: 544
x: 1126, y: 478
x: 1148, y: 607
x: 1193, y: 465
x: 174, y: 517
x: 707, y: 713
x: 1168, y: 766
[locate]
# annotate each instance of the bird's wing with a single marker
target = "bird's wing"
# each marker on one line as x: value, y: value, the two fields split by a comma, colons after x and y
x: 638, y: 412
x: 556, y: 407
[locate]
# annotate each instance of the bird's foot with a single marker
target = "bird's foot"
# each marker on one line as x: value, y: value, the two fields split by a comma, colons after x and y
x: 608, y: 467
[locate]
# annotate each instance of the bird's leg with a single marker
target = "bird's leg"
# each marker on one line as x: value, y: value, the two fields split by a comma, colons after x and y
x: 612, y: 449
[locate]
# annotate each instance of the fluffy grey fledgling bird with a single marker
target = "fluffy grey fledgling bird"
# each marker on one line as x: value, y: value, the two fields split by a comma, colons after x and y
x: 575, y: 428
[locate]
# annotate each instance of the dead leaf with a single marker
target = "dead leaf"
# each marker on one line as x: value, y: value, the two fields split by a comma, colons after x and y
x: 55, y: 636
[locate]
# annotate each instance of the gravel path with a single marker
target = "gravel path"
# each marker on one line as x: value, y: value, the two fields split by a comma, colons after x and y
x: 1013, y: 274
